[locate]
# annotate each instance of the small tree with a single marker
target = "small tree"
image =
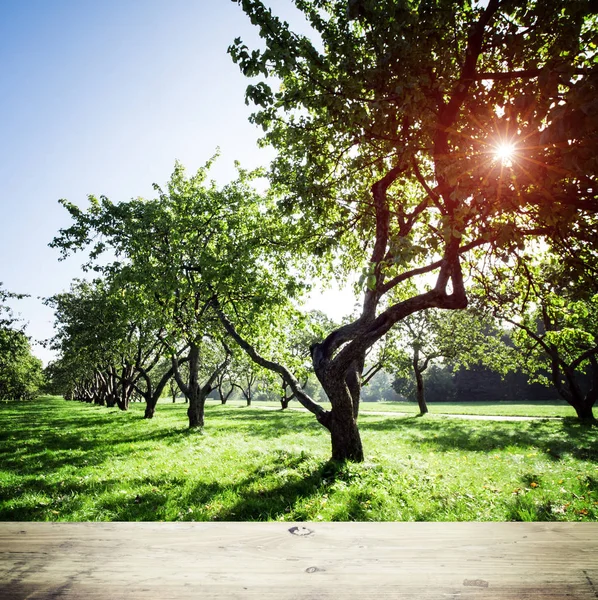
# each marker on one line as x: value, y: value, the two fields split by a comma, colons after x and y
x: 553, y: 313
x: 430, y: 336
x: 21, y: 374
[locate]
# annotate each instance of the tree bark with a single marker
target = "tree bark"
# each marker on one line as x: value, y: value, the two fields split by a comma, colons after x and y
x: 342, y: 424
x: 419, y: 382
x: 564, y: 381
x: 194, y: 391
x: 284, y: 397
x: 195, y: 412
x: 584, y: 411
x: 342, y: 419
x: 153, y: 395
x: 224, y: 396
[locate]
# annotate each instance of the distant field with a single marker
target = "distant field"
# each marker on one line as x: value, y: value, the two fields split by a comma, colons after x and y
x: 554, y: 408
x: 66, y: 461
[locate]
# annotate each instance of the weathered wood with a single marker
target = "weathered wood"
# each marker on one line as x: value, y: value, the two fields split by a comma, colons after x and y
x: 402, y: 561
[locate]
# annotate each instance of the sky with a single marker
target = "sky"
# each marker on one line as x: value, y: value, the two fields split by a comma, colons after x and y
x: 101, y: 98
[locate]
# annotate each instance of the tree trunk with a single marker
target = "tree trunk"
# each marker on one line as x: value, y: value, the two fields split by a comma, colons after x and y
x: 584, y: 411
x: 344, y: 436
x: 192, y: 390
x: 421, y: 398
x: 111, y: 390
x: 583, y: 405
x: 220, y: 386
x: 571, y: 391
x: 153, y: 395
x: 342, y: 419
x: 195, y: 412
x: 419, y: 381
x: 195, y: 392
x: 173, y: 390
x: 125, y: 396
x: 284, y: 397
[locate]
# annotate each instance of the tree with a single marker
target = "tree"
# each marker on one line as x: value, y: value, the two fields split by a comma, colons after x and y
x: 293, y: 343
x: 420, y: 346
x: 224, y: 380
x: 461, y: 339
x: 21, y: 373
x: 553, y: 312
x: 191, y: 249
x: 390, y: 126
x: 100, y: 329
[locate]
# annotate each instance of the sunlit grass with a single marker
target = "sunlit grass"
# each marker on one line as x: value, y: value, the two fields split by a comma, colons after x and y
x: 555, y: 408
x: 65, y: 461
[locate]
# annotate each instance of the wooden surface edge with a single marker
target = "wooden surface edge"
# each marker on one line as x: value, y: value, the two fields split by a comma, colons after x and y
x: 298, y: 560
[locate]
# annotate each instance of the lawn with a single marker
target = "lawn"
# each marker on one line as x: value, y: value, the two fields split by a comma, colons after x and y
x: 555, y: 408
x: 66, y: 461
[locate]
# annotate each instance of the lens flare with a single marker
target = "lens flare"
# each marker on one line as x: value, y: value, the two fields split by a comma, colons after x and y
x: 504, y: 152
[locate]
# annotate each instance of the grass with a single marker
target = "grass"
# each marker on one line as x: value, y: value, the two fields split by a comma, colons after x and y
x: 66, y: 461
x: 554, y: 408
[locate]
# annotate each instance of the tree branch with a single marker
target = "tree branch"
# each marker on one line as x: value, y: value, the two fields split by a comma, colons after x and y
x: 302, y: 397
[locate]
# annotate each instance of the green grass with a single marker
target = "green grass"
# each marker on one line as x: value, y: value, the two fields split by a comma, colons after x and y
x: 66, y: 461
x: 555, y: 408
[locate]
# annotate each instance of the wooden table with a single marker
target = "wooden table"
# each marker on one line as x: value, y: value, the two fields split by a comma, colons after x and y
x: 204, y: 561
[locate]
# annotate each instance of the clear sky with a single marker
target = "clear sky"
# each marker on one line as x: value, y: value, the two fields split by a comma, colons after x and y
x: 102, y: 98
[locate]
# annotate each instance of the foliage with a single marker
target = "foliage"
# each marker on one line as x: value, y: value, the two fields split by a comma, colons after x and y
x: 21, y: 373
x: 105, y: 343
x: 386, y: 121
x: 553, y: 313
x: 378, y: 387
x: 456, y: 339
x: 177, y: 261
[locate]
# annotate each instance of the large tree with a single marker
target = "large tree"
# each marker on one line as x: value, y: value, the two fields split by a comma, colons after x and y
x: 410, y: 135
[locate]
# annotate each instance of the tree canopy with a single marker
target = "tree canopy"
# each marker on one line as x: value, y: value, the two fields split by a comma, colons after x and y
x: 390, y: 123
x: 21, y: 373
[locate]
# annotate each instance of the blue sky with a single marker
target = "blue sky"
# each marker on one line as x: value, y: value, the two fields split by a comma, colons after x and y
x: 102, y: 98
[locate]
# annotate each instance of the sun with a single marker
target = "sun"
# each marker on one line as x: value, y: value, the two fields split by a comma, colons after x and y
x: 504, y: 152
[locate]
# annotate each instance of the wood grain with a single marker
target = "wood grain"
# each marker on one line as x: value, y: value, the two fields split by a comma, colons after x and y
x: 317, y: 561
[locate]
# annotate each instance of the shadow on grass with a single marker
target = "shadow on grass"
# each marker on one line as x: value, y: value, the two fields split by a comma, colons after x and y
x: 37, y: 438
x: 557, y: 438
x: 268, y: 492
x: 256, y: 501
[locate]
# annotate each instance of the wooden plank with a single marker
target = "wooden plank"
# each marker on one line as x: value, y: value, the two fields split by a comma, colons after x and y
x: 317, y: 561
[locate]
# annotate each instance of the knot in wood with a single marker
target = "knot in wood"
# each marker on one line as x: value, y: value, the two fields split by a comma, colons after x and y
x: 300, y: 531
